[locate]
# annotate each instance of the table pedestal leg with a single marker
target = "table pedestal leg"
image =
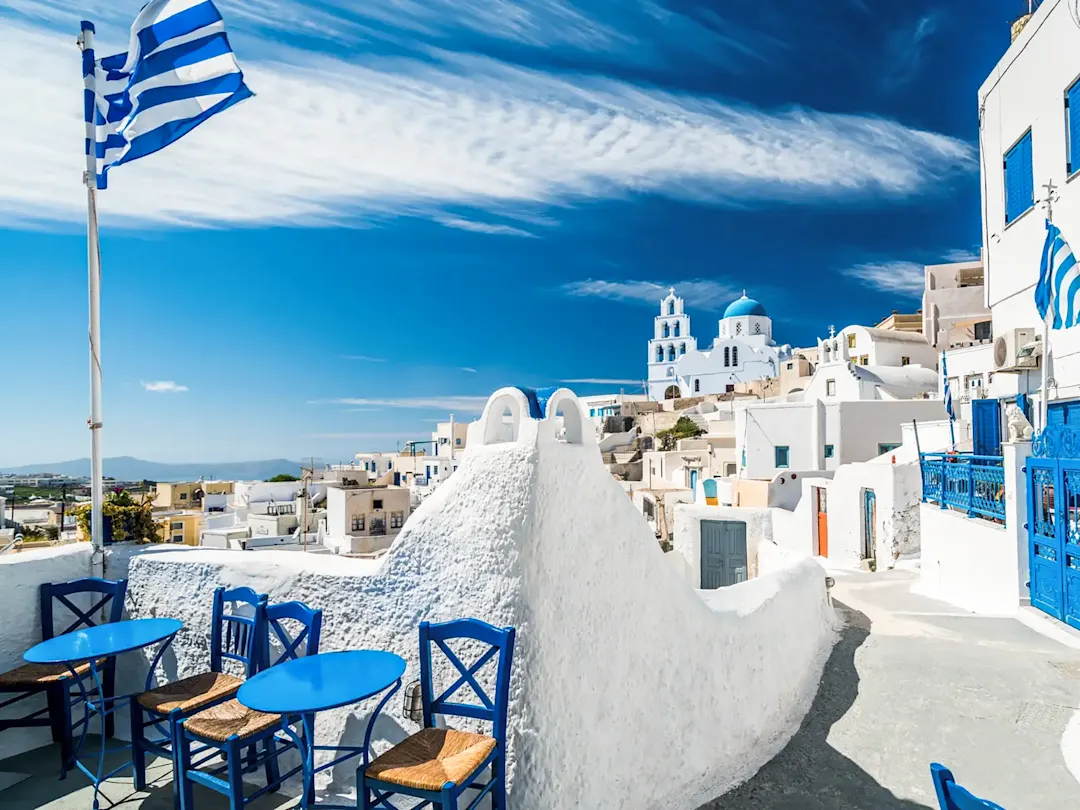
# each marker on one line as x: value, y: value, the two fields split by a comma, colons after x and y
x: 99, y: 708
x: 305, y: 746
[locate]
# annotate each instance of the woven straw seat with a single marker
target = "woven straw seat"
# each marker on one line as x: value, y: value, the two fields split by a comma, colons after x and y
x: 34, y: 675
x: 190, y: 694
x: 431, y: 758
x: 230, y: 718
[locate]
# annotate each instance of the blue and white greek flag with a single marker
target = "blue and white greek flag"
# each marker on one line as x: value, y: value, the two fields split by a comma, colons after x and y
x: 1058, y: 290
x: 179, y: 70
x: 946, y: 390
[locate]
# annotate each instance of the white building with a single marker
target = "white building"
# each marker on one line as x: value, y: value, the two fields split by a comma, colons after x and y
x: 602, y: 406
x: 869, y: 384
x: 866, y: 346
x: 777, y: 438
x: 364, y: 519
x: 743, y: 351
x: 1030, y: 134
x: 1029, y: 122
x: 954, y: 308
x: 377, y: 464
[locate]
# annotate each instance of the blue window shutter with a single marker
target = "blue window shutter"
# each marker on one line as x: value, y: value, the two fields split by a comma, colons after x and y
x: 1072, y: 118
x: 1019, y: 179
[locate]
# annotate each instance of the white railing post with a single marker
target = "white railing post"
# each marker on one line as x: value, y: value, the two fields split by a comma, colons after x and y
x: 1014, y: 463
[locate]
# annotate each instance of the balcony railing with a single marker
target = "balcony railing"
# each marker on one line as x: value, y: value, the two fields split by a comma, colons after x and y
x: 971, y: 484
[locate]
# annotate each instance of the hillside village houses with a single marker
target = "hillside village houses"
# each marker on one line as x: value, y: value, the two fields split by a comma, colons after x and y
x: 843, y: 449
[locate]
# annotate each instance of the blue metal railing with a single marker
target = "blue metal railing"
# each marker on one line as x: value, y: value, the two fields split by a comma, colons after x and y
x: 971, y: 484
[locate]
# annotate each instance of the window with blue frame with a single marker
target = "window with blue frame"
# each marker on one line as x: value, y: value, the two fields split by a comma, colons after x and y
x: 1019, y: 179
x: 828, y: 451
x: 782, y: 456
x: 1072, y: 128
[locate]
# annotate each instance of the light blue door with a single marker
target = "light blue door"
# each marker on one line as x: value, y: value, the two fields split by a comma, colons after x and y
x: 693, y: 480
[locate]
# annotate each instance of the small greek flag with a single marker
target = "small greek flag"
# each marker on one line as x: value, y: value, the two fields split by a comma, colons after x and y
x: 179, y: 70
x: 947, y: 390
x: 1058, y: 290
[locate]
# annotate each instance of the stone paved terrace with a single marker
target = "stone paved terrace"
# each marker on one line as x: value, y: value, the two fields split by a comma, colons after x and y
x: 911, y: 681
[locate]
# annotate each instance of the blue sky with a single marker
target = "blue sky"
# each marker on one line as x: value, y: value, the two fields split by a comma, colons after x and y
x: 428, y: 200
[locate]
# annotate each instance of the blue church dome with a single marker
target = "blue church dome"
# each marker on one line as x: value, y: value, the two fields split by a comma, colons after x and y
x: 744, y: 306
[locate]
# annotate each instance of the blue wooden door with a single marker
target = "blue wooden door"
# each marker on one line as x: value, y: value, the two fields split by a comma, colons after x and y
x: 986, y: 427
x: 869, y: 525
x: 693, y: 480
x: 723, y: 553
x: 1068, y: 520
x: 1045, y: 548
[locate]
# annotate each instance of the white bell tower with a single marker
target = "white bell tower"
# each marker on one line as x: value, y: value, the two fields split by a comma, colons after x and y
x: 670, y: 341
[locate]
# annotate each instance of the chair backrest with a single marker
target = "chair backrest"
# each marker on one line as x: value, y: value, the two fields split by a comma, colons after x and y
x: 953, y: 797
x: 234, y: 636
x: 308, y: 634
x: 500, y: 642
x: 106, y: 590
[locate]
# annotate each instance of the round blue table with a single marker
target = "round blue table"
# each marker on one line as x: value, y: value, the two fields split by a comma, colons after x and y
x: 316, y: 683
x: 88, y: 646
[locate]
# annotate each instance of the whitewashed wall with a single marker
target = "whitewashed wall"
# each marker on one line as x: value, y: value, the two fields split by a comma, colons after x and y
x: 21, y: 576
x: 969, y: 562
x: 898, y: 492
x: 534, y: 533
x: 1027, y: 90
x: 854, y: 429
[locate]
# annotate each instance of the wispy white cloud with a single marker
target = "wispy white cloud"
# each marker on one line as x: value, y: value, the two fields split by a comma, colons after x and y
x: 703, y: 293
x: 402, y: 435
x: 400, y: 133
x: 634, y: 32
x: 363, y: 357
x: 602, y: 381
x: 902, y: 278
x: 164, y: 387
x: 963, y: 255
x: 904, y: 50
x: 466, y: 404
x: 483, y: 227
x: 467, y: 369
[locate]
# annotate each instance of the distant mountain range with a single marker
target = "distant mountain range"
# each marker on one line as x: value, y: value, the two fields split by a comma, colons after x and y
x: 126, y: 468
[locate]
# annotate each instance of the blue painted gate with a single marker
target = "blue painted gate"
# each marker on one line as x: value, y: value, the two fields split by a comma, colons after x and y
x: 1054, y: 537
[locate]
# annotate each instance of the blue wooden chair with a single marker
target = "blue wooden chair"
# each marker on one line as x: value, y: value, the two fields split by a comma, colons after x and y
x: 55, y: 681
x: 235, y: 635
x: 232, y: 729
x: 439, y: 764
x: 951, y: 796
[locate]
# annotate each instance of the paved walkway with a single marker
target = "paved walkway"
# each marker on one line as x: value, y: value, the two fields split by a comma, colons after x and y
x: 914, y: 680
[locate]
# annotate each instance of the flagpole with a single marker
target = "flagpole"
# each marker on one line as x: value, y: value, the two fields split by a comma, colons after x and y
x: 948, y: 400
x: 86, y: 44
x: 1044, y: 398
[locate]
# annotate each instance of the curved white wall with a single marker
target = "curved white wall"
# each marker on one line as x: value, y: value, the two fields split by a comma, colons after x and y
x: 629, y: 691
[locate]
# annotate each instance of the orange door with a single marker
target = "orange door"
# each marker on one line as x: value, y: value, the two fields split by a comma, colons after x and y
x: 822, y: 522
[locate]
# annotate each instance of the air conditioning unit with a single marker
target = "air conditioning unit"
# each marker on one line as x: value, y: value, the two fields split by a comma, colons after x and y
x: 1016, y: 350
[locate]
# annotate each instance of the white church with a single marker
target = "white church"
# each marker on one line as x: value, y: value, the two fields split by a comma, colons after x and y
x: 743, y: 351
